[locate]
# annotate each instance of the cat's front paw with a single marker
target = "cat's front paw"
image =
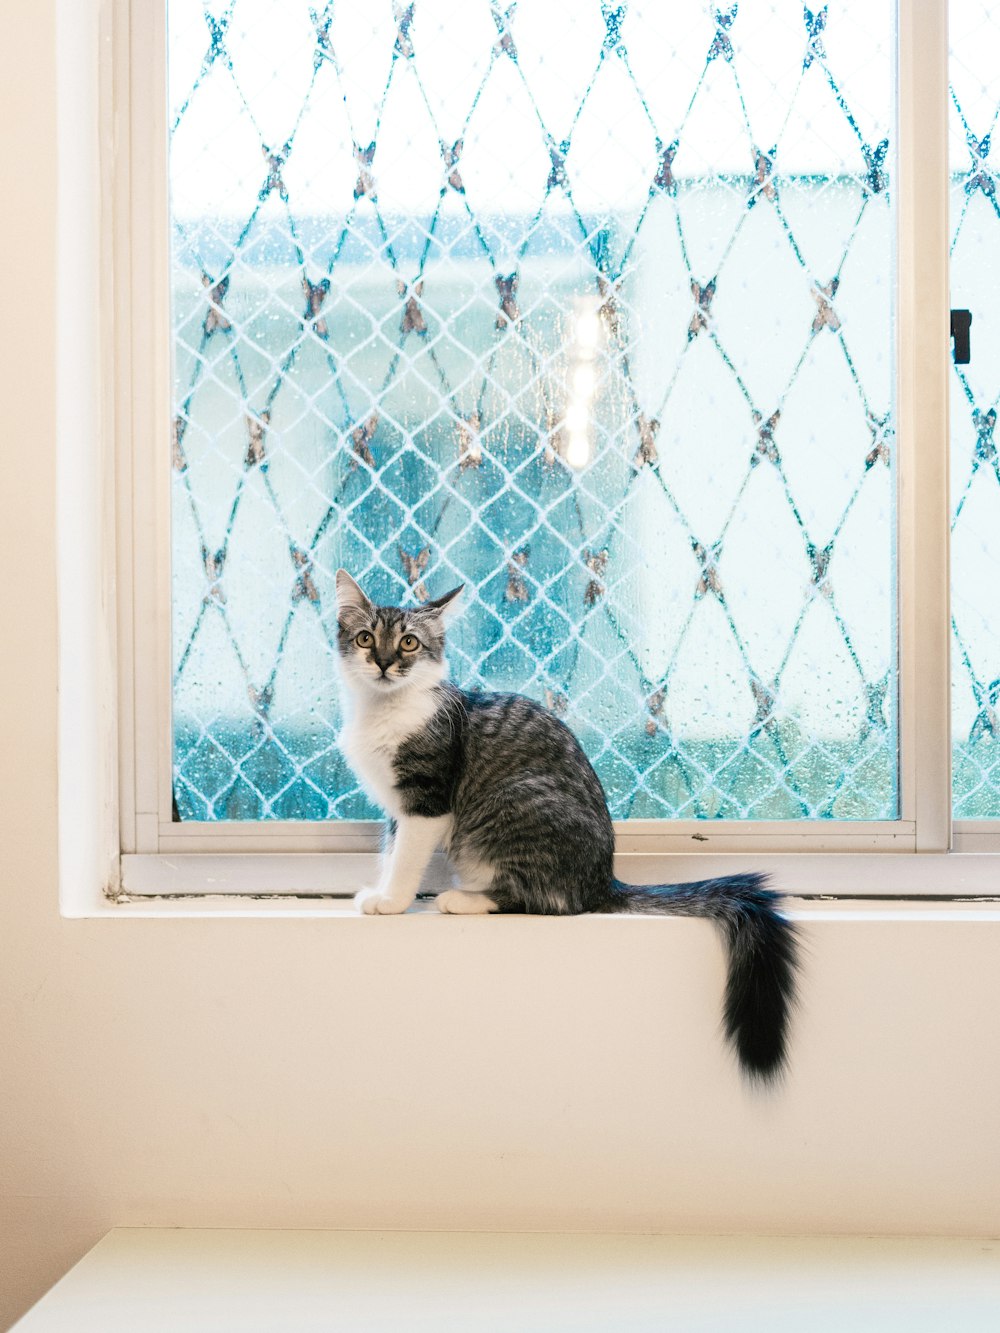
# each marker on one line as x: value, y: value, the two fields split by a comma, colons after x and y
x: 376, y: 902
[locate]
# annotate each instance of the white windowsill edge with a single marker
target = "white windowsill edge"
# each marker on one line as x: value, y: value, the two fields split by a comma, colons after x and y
x: 841, y: 885
x: 286, y: 907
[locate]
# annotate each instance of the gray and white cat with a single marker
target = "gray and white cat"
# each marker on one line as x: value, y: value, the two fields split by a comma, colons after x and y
x: 505, y: 789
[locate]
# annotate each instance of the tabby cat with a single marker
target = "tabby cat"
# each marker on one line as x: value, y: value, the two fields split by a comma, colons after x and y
x: 505, y: 789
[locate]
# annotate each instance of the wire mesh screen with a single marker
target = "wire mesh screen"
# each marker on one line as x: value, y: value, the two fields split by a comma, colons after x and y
x: 975, y: 471
x: 586, y: 306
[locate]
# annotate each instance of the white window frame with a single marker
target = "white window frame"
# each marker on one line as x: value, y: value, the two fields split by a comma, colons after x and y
x: 145, y: 851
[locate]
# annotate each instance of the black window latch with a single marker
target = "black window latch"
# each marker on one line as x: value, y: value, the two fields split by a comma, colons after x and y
x: 961, y: 321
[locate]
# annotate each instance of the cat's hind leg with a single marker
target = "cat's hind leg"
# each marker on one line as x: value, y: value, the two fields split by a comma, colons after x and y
x: 459, y: 902
x: 474, y: 896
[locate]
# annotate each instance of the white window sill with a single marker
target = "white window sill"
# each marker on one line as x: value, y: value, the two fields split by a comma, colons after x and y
x: 96, y: 884
x: 286, y: 906
x: 842, y: 886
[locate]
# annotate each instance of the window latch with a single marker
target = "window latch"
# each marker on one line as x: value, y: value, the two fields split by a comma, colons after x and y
x: 961, y: 321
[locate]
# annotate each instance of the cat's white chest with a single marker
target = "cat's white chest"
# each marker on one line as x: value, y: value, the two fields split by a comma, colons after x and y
x: 370, y: 741
x: 372, y: 766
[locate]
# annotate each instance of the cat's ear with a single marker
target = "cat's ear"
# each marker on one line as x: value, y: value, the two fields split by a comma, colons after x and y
x: 448, y: 605
x: 349, y: 594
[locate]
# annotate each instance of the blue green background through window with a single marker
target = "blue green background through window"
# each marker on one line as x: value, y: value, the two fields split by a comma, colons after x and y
x: 587, y: 306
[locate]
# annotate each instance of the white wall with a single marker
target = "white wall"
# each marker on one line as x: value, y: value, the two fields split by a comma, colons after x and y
x: 417, y: 1072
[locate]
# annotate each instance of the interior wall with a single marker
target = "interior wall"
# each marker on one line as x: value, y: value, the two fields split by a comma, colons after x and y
x: 418, y: 1072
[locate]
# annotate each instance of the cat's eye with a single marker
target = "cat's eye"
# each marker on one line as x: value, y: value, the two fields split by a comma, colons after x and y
x: 365, y: 639
x: 409, y: 643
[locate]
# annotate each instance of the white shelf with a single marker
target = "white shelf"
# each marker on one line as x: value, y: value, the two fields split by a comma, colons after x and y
x: 160, y: 1281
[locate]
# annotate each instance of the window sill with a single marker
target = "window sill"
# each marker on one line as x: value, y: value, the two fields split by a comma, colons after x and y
x: 288, y: 907
x: 819, y: 885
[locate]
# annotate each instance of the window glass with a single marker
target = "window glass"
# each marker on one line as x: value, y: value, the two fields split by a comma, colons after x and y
x: 975, y: 472
x: 587, y: 306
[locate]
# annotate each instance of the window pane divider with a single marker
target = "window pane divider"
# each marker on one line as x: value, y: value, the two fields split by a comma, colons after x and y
x: 640, y: 836
x: 923, y: 426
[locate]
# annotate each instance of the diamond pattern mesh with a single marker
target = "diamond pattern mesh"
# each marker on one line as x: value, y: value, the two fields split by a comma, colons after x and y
x: 585, y: 305
x: 975, y: 471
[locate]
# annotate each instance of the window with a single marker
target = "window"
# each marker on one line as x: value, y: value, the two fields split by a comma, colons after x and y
x: 482, y: 296
x: 975, y: 473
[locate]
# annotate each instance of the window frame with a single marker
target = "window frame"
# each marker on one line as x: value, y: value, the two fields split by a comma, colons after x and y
x: 137, y: 404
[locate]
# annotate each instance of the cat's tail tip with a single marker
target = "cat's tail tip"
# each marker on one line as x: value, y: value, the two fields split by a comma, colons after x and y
x: 760, y: 985
x: 762, y: 949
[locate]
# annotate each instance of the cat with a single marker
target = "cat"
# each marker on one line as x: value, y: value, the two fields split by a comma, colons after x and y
x: 503, y: 786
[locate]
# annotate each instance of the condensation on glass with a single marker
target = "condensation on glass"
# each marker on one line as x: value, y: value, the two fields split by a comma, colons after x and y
x: 975, y: 470
x: 586, y: 306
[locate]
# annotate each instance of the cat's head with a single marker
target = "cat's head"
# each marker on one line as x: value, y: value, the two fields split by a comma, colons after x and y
x: 387, y: 648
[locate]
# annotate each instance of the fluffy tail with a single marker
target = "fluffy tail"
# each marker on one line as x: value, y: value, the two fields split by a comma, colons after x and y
x: 762, y: 958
